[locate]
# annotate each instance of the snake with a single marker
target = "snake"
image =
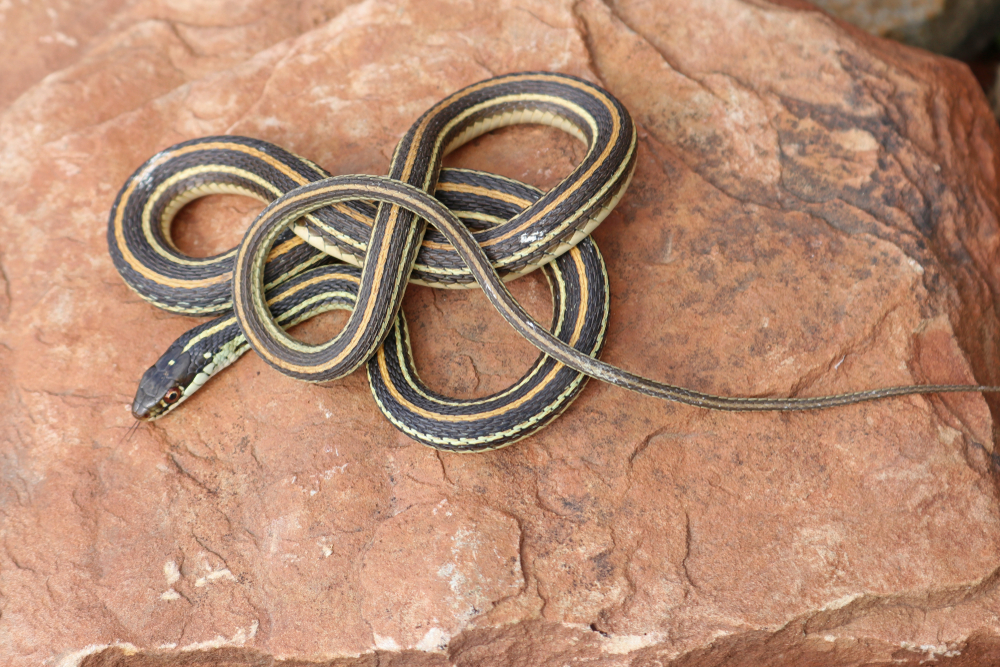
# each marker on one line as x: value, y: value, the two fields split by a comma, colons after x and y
x: 310, y: 211
x: 579, y: 287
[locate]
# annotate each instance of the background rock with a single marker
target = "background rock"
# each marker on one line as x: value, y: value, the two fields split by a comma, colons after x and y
x: 814, y: 211
x: 964, y: 29
x: 39, y: 38
x: 960, y: 28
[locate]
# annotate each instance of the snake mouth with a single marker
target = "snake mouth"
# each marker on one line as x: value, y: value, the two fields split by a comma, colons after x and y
x: 143, y: 405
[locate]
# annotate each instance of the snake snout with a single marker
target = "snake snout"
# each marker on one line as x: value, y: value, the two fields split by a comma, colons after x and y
x: 143, y: 405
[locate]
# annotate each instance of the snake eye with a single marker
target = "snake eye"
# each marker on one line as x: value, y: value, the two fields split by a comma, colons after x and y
x: 172, y: 396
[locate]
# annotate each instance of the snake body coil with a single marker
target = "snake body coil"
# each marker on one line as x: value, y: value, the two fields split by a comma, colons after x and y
x: 507, y: 229
x: 579, y: 287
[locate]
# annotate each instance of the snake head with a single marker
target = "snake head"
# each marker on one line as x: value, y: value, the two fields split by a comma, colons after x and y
x: 164, y: 385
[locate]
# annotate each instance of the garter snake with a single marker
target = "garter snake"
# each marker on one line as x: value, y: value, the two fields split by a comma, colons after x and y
x: 391, y: 249
x: 579, y: 286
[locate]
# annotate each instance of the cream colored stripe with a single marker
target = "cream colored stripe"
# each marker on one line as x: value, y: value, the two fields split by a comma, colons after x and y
x: 455, y: 419
x: 211, y: 331
x: 309, y: 283
x: 328, y: 194
x: 485, y: 193
x: 407, y: 170
x: 188, y: 196
x: 120, y: 242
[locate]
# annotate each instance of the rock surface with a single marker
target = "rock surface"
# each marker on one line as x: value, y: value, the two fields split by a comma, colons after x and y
x: 814, y: 211
x: 960, y: 28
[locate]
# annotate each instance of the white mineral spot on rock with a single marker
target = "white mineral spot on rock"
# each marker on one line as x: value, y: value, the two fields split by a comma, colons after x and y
x: 622, y: 644
x: 915, y: 265
x: 457, y: 584
x: 435, y: 640
x: 62, y: 312
x: 171, y: 572
x: 464, y: 538
x: 327, y: 474
x: 214, y: 575
x: 59, y: 38
x: 74, y: 658
x: 385, y: 643
x: 948, y: 434
x: 239, y: 638
x: 68, y: 168
x: 169, y: 595
x: 841, y: 602
x: 932, y: 651
x: 855, y: 139
x: 270, y: 122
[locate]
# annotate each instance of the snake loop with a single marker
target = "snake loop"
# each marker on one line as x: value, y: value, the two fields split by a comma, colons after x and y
x: 279, y: 275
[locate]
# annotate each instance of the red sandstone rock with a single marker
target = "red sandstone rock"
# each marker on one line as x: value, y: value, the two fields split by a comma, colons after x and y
x: 813, y: 211
x: 960, y: 28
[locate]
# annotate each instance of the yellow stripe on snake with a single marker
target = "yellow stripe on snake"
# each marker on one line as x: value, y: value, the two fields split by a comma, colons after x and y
x: 485, y: 229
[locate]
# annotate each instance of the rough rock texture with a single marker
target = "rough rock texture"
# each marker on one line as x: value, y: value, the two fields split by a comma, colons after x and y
x: 38, y: 38
x: 814, y: 211
x: 961, y: 28
x: 995, y: 95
